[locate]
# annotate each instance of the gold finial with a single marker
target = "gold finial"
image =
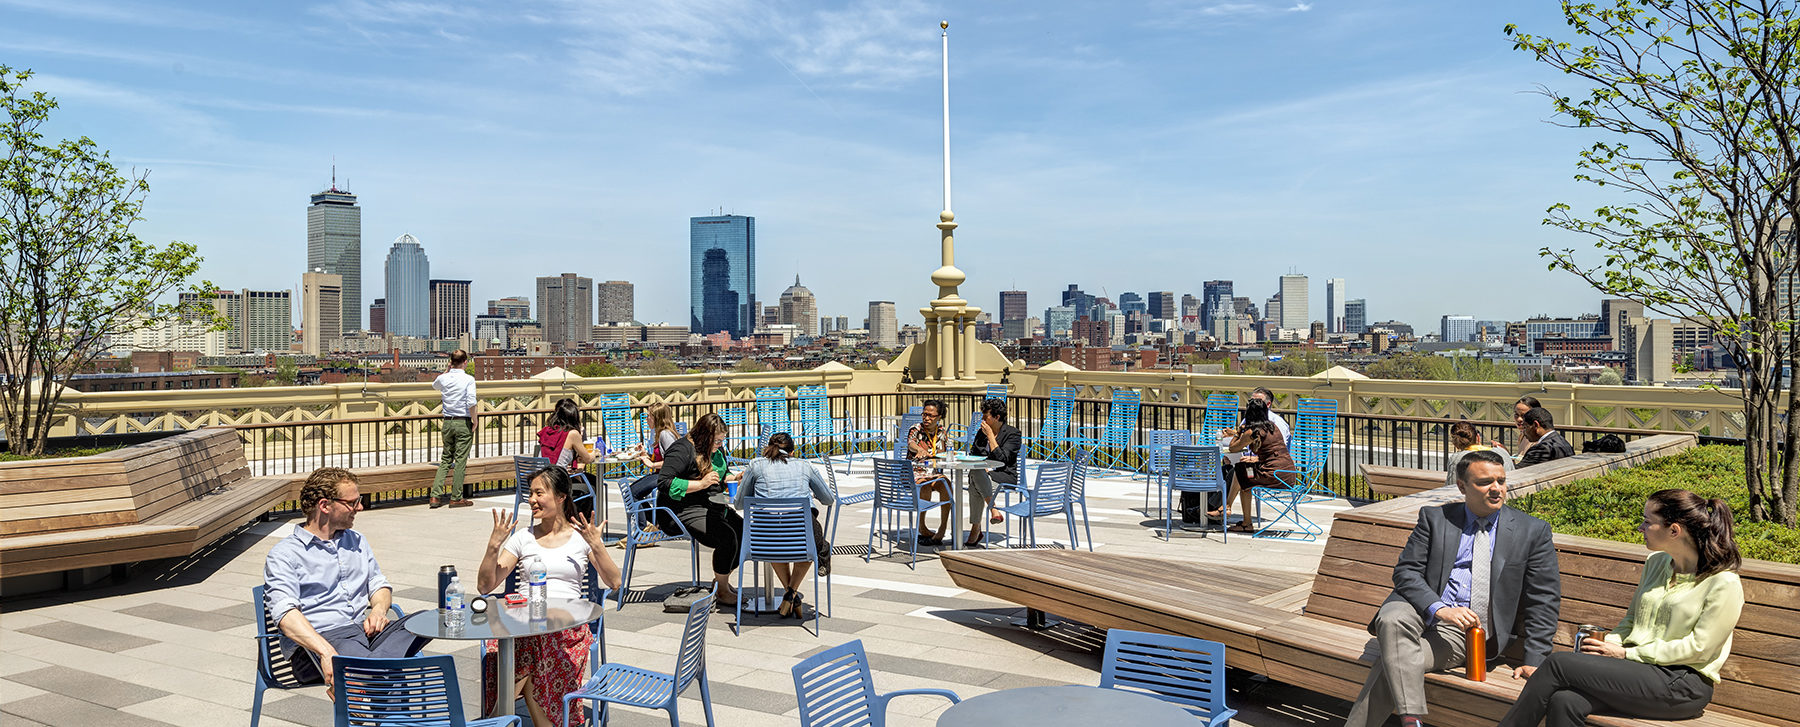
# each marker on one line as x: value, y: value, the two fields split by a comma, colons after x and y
x: 945, y: 24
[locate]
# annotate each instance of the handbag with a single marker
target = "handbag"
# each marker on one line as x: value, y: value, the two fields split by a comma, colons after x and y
x: 684, y: 598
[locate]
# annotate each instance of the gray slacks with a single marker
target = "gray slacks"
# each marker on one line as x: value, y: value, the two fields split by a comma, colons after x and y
x: 393, y: 642
x: 1409, y: 649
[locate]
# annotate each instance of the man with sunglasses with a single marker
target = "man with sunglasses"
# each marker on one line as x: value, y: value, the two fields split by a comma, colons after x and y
x: 324, y: 590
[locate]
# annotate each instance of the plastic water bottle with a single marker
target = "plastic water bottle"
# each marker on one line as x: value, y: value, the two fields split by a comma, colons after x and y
x: 454, y: 615
x: 537, y: 590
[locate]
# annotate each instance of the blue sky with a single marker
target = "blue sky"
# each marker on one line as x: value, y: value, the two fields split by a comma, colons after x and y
x: 1139, y: 146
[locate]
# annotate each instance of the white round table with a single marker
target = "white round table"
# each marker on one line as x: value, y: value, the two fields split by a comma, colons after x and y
x: 505, y: 624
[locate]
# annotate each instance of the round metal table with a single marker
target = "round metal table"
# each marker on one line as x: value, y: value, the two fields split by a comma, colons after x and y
x: 958, y: 466
x: 1070, y: 706
x: 505, y: 624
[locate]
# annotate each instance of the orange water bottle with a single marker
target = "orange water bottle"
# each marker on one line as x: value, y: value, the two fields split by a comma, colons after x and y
x: 1477, y: 654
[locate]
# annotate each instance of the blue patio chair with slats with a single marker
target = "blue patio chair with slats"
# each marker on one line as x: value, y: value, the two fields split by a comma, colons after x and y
x: 1116, y: 448
x: 414, y: 690
x: 621, y: 428
x: 840, y: 501
x: 996, y: 391
x: 825, y: 434
x: 1192, y: 468
x: 1053, y: 438
x: 1078, y: 495
x: 274, y: 670
x: 1048, y: 495
x: 739, y: 437
x: 523, y: 469
x: 1221, y: 414
x: 772, y: 410
x: 778, y: 530
x: 1310, y: 444
x: 1156, y: 460
x: 640, y: 517
x: 896, y: 494
x: 635, y: 687
x: 966, y: 436
x: 835, y: 689
x: 1184, y: 671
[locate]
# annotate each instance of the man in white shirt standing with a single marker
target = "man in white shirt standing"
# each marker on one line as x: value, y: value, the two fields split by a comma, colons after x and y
x: 458, y: 388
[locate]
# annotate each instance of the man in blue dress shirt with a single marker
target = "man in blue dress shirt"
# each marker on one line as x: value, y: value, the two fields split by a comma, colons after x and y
x: 324, y: 590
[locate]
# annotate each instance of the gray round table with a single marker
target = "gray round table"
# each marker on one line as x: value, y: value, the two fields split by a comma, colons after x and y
x: 958, y: 465
x: 1070, y: 706
x: 505, y: 624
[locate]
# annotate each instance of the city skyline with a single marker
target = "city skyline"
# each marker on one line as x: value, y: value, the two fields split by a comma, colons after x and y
x: 599, y: 137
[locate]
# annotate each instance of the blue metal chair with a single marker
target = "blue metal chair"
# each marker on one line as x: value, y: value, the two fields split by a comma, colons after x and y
x: 415, y: 690
x: 634, y: 687
x: 274, y: 671
x: 772, y: 410
x: 1115, y: 449
x: 1078, y: 495
x: 638, y: 517
x: 1156, y: 461
x: 996, y: 391
x: 1192, y: 468
x: 738, y: 437
x: 1053, y: 432
x: 824, y: 432
x: 779, y: 530
x: 1221, y: 414
x: 896, y: 494
x: 1310, y: 444
x: 1048, y: 495
x: 840, y: 501
x: 1186, y: 672
x: 523, y: 469
x: 967, y: 437
x: 835, y: 689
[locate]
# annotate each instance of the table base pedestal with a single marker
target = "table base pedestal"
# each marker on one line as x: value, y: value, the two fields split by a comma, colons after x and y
x: 1035, y: 620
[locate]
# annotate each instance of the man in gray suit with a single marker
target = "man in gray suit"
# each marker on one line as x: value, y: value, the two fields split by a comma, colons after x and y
x: 1442, y: 588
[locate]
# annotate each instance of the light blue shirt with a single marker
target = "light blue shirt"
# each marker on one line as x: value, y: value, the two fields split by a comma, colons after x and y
x: 328, y: 580
x: 1457, y: 588
x: 458, y: 388
x: 794, y: 477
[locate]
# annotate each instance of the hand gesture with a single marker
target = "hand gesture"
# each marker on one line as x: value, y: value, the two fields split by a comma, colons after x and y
x: 503, y: 528
x: 595, y: 535
x: 711, y: 478
x: 375, y: 622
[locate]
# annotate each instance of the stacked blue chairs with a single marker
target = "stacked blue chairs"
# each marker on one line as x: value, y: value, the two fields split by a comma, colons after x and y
x: 634, y: 687
x: 620, y: 427
x: 1184, y: 671
x: 896, y: 494
x: 639, y: 517
x: 1192, y: 468
x: 1053, y: 438
x: 273, y: 670
x: 414, y: 690
x: 779, y: 530
x: 1048, y: 495
x: 835, y: 689
x: 1156, y: 461
x: 1309, y: 446
x: 1115, y: 448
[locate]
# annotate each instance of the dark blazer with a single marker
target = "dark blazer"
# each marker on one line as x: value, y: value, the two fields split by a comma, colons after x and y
x: 1525, y: 587
x: 1551, y: 446
x: 1007, y: 453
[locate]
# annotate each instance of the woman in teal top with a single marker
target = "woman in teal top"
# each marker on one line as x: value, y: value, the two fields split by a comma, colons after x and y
x: 1664, y: 658
x: 691, y: 487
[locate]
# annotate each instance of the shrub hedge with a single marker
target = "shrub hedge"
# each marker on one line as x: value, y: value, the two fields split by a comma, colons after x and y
x: 1611, y: 505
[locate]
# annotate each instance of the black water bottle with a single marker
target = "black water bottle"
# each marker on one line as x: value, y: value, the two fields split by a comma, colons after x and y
x: 444, y: 575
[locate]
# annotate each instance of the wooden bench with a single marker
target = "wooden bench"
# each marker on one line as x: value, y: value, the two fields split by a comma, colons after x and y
x: 161, y: 499
x: 1401, y: 481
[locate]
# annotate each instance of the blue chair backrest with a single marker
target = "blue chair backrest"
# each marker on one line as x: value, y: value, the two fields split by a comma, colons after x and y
x: 681, y: 429
x: 1221, y: 414
x: 1079, y: 458
x: 815, y: 411
x: 524, y: 468
x: 1311, y: 440
x: 1050, y: 492
x: 1057, y: 412
x: 772, y: 410
x: 778, y: 530
x: 968, y: 434
x: 617, y: 421
x: 1160, y: 441
x: 906, y: 424
x: 1194, y: 464
x: 894, y: 483
x: 996, y: 391
x: 416, y: 690
x: 835, y: 689
x: 692, y: 656
x: 1181, y: 670
x: 1121, y: 419
x: 269, y: 660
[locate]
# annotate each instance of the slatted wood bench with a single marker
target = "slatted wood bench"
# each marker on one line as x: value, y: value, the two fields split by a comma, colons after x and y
x: 1400, y: 481
x: 161, y: 499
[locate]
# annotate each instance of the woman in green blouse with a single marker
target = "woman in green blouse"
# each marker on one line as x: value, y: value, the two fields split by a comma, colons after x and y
x: 1664, y: 658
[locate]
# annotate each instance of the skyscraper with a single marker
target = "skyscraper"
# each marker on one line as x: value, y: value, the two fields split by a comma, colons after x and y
x: 618, y: 302
x: 565, y: 308
x: 722, y: 275
x: 1356, y: 316
x: 800, y: 308
x: 408, y: 289
x: 334, y: 245
x: 515, y: 308
x: 1129, y: 303
x: 378, y: 316
x: 1334, y: 305
x: 1211, y: 293
x: 884, y: 328
x: 1162, y: 304
x: 449, y: 308
x: 321, y: 311
x: 1013, y: 314
x: 1296, y: 310
x: 1456, y: 329
x: 229, y: 304
x: 268, y: 321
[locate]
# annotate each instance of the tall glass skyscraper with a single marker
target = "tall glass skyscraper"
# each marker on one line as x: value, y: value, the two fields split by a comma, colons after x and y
x: 334, y: 245
x: 408, y: 289
x: 722, y: 275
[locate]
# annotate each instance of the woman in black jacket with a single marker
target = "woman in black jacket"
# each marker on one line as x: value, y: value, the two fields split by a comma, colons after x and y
x: 691, y: 485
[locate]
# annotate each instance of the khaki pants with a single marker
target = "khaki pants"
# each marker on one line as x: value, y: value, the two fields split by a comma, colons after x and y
x: 457, y: 438
x: 1409, y: 649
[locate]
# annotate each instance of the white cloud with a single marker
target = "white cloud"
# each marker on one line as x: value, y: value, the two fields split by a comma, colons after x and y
x: 868, y: 44
x: 1189, y: 13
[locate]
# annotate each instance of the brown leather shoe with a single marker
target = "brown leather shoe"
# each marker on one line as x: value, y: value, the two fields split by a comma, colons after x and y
x: 437, y: 502
x: 462, y: 503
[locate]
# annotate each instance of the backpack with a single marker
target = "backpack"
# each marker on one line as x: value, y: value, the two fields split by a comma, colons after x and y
x: 1609, y: 444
